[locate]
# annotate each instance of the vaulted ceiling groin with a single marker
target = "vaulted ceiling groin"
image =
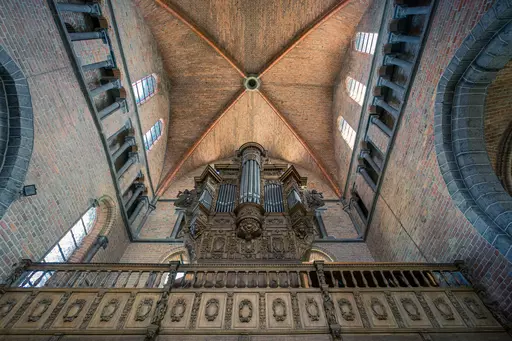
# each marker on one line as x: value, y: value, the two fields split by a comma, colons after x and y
x: 208, y: 46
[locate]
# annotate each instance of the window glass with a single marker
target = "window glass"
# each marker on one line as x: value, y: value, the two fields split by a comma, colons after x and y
x: 54, y: 256
x: 78, y: 232
x: 153, y: 134
x: 67, y: 245
x: 89, y: 218
x: 366, y: 42
x: 347, y: 133
x: 356, y: 90
x: 144, y: 88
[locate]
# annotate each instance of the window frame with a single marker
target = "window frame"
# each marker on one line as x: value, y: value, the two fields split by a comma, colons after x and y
x: 366, y: 42
x: 356, y: 90
x: 150, y: 141
x: 147, y: 84
x: 347, y: 132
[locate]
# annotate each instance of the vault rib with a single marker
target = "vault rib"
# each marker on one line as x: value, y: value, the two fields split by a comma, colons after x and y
x: 200, y: 34
x: 335, y: 9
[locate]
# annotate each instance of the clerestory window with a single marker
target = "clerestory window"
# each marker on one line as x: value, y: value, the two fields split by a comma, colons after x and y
x: 356, y: 90
x: 144, y: 88
x: 366, y: 42
x: 153, y: 134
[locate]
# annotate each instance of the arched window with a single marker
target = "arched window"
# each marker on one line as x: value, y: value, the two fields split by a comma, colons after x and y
x: 348, y: 134
x: 71, y: 241
x: 356, y: 90
x: 144, y: 88
x: 315, y: 254
x: 153, y: 134
x: 366, y: 42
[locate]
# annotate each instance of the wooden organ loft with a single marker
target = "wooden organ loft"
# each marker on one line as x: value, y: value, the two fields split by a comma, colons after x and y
x: 249, y: 210
x: 248, y: 225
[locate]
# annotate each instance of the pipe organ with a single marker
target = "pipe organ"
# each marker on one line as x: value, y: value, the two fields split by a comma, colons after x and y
x: 229, y: 217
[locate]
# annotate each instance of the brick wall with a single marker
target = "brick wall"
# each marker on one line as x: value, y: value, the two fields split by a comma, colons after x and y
x: 356, y: 65
x: 68, y: 164
x: 337, y: 222
x: 346, y: 252
x: 149, y: 252
x: 416, y: 218
x: 497, y: 112
x: 143, y: 59
x: 160, y: 222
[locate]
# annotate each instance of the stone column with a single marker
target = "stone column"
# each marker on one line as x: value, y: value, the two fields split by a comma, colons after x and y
x: 320, y: 221
x: 139, y: 188
x: 403, y: 11
x: 118, y: 104
x: 138, y: 208
x: 101, y: 242
x: 90, y: 8
x: 107, y: 64
x: 128, y: 142
x: 115, y: 84
x: 99, y: 34
x: 125, y: 128
x: 133, y: 158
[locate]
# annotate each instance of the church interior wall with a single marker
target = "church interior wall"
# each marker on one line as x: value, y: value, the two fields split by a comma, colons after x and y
x: 416, y: 219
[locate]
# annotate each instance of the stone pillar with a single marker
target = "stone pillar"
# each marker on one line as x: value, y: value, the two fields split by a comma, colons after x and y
x: 118, y: 104
x: 133, y: 158
x: 365, y: 154
x: 380, y: 102
x: 99, y: 34
x: 93, y: 9
x: 125, y: 128
x: 375, y: 120
x: 138, y: 208
x: 361, y: 170
x: 404, y: 11
x: 402, y: 38
x: 101, y: 242
x: 175, y: 230
x: 391, y: 60
x: 107, y: 64
x: 320, y: 222
x: 128, y: 142
x: 139, y: 188
x: 115, y: 84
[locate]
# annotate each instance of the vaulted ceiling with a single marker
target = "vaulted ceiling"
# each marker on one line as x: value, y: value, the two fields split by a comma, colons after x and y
x: 209, y: 46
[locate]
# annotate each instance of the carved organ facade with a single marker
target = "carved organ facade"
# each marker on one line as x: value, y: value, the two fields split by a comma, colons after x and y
x: 249, y: 210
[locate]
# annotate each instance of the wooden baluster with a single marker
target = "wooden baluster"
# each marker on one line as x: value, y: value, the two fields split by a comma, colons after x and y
x: 136, y: 284
x: 353, y: 279
x: 158, y: 279
x: 425, y: 279
x: 104, y: 280
x: 405, y: 279
x: 149, y: 279
x: 28, y: 276
x: 128, y: 275
x: 364, y: 279
x: 384, y: 279
x: 35, y: 284
x: 73, y: 279
x: 114, y: 283
x: 83, y: 277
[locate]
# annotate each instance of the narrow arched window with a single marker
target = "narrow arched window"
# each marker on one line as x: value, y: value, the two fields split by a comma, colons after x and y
x: 347, y: 132
x: 144, y: 88
x: 153, y: 134
x: 366, y: 42
x: 71, y: 241
x: 356, y: 90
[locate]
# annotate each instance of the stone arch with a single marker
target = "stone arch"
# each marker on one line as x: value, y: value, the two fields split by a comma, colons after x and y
x: 458, y: 127
x: 106, y: 216
x: 317, y: 253
x: 175, y: 255
x: 16, y: 130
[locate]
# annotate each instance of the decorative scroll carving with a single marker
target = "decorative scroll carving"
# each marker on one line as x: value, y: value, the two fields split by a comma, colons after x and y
x: 444, y: 308
x: 411, y: 309
x: 262, y: 311
x: 22, y: 309
x: 211, y: 310
x: 346, y: 309
x: 195, y: 310
x: 186, y: 198
x: 109, y: 310
x: 295, y: 311
x: 314, y: 199
x: 312, y: 309
x: 73, y: 310
x: 19, y: 269
x: 378, y: 309
x: 161, y: 305
x: 330, y: 311
x: 178, y: 310
x: 229, y: 311
x: 56, y: 310
x: 427, y: 310
x: 245, y: 311
x: 6, y: 307
x: 279, y: 309
x: 40, y: 308
x: 458, y: 308
x: 92, y: 310
x: 143, y: 309
x: 362, y: 310
x: 475, y: 308
x: 126, y: 311
x: 394, y: 309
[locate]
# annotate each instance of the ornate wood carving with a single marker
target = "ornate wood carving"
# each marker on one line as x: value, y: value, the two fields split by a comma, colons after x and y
x: 143, y: 309
x: 73, y: 310
x: 427, y: 310
x: 411, y: 308
x: 394, y: 309
x: 6, y: 307
x: 178, y: 309
x: 128, y: 306
x: 312, y: 309
x: 378, y: 309
x: 245, y: 309
x: 195, y: 310
x: 229, y: 311
x: 475, y: 308
x: 279, y: 309
x: 22, y: 309
x: 459, y: 308
x: 346, y: 309
x: 91, y: 310
x: 262, y: 310
x: 39, y: 309
x: 362, y: 311
x: 109, y: 310
x: 295, y: 310
x: 444, y: 308
x: 211, y: 310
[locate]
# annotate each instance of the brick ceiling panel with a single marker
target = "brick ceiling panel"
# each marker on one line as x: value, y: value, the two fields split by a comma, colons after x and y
x: 251, y: 119
x: 252, y: 31
x: 202, y: 82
